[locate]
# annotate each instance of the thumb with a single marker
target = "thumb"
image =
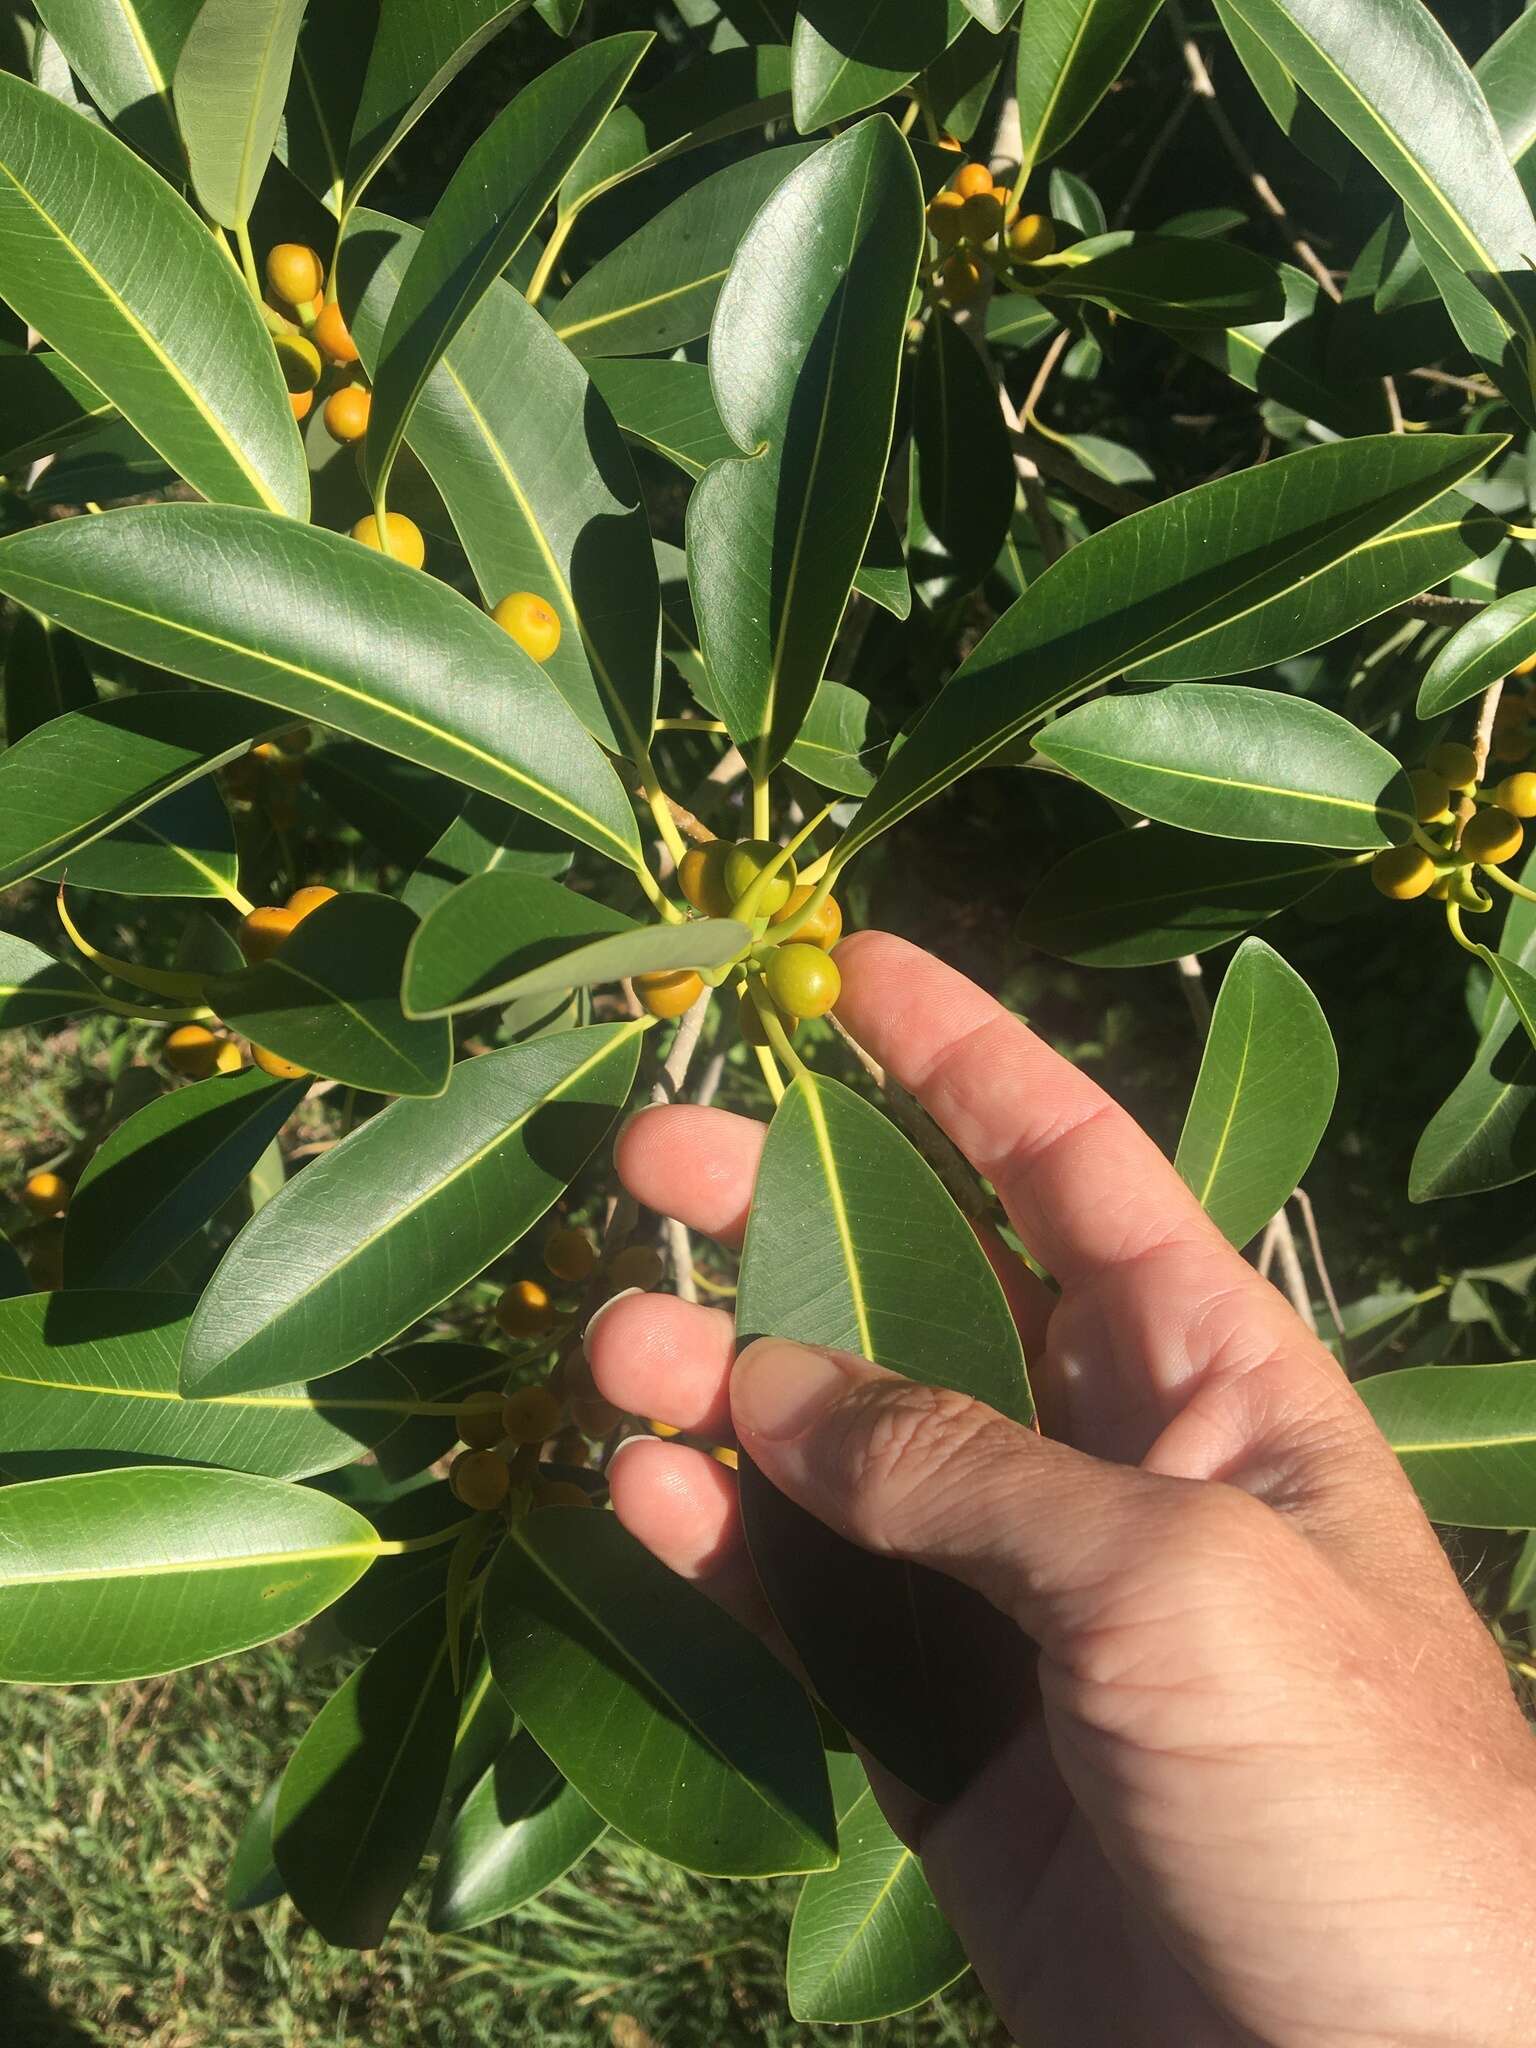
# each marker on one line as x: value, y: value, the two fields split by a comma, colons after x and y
x: 932, y: 1476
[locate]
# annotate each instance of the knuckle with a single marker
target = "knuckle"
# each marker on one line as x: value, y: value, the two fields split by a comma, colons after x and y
x: 907, y: 1452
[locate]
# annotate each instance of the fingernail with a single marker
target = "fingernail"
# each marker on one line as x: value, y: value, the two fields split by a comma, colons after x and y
x: 624, y: 1294
x: 779, y: 1389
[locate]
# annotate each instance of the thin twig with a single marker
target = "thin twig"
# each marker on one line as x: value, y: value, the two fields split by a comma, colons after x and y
x: 1303, y: 1202
x: 1192, y: 982
x: 1025, y: 468
x: 1442, y: 611
x: 1048, y: 362
x: 1487, y: 712
x: 1475, y: 387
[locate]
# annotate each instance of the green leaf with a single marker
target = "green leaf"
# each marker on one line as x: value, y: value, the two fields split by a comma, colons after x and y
x: 334, y: 47
x: 1133, y: 899
x: 45, y: 404
x: 177, y: 345
x: 839, y: 741
x: 658, y: 289
x: 1466, y: 1436
x: 667, y: 1716
x: 95, y: 1371
x: 1484, y: 1134
x: 849, y: 1234
x: 1506, y: 72
x: 539, y: 503
x: 253, y: 1879
x: 1237, y: 763
x: 491, y: 205
x: 1477, y: 654
x: 35, y: 988
x: 80, y: 775
x: 1014, y: 320
x: 231, y: 81
x: 520, y: 1828
x: 405, y: 1210
x: 1070, y: 54
x: 1388, y: 75
x: 502, y: 936
x: 1171, y: 281
x: 362, y: 1789
x: 330, y: 631
x: 1287, y: 359
x: 329, y: 998
x: 720, y: 94
x: 1518, y: 987
x: 804, y: 354
x: 416, y: 52
x: 668, y: 407
x: 45, y: 675
x: 1268, y: 1077
x: 1448, y: 536
x: 962, y: 472
x: 182, y: 846
x: 485, y: 838
x: 114, y: 1575
x: 1304, y: 126
x: 1156, y: 581
x: 436, y: 1370
x: 847, y: 55
x: 163, y: 1172
x: 868, y: 1939
x: 124, y: 53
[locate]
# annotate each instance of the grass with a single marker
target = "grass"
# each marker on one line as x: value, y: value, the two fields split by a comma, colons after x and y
x: 119, y: 1808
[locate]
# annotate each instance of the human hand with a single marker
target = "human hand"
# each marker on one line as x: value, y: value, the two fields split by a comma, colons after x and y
x: 1274, y: 1787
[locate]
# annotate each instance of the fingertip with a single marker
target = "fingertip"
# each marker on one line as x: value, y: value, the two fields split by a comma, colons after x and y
x: 652, y: 1354
x: 680, y: 1503
x: 695, y: 1164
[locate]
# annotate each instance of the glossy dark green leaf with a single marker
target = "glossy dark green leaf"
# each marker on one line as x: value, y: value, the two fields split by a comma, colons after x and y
x: 958, y: 85
x: 329, y: 999
x: 1506, y: 72
x: 80, y: 775
x: 1287, y: 359
x: 1484, y: 1134
x: 486, y: 838
x: 230, y: 84
x: 962, y: 473
x: 503, y: 936
x: 1305, y: 126
x: 45, y: 404
x: 361, y: 1791
x: 1135, y: 898
x: 538, y: 506
x: 487, y: 1725
x: 400, y: 808
x: 658, y: 289
x: 670, y: 1718
x: 1447, y: 537
x: 1466, y: 1436
x: 490, y: 206
x: 253, y: 1879
x: 718, y: 95
x: 45, y: 674
x: 184, y: 845
x: 441, y: 1371
x: 331, y: 631
x: 335, y: 44
x: 398, y: 1586
x: 124, y: 53
x: 1517, y: 942
x: 178, y: 346
x: 406, y: 1209
x: 849, y: 1232
x: 1268, y: 1077
x: 521, y: 1827
x: 1169, y: 281
x: 868, y: 1939
x: 1237, y: 763
x: 668, y: 407
x: 804, y: 354
x: 1014, y: 320
x: 847, y: 55
x: 1070, y: 54
x: 159, y: 1176
x: 113, y: 1575
x: 95, y: 1370
x: 1389, y: 76
x: 416, y: 51
x: 35, y: 988
x: 1160, y: 579
x: 1477, y: 654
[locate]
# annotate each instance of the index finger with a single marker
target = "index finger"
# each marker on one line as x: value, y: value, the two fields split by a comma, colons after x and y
x: 1083, y: 1184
